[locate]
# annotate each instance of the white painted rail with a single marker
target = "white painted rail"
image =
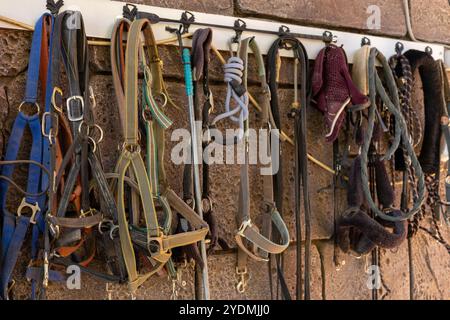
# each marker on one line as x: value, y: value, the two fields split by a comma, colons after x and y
x: 99, y: 17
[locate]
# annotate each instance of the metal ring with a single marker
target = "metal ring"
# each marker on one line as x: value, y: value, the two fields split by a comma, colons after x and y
x: 165, y: 99
x: 38, y: 109
x: 87, y: 127
x: 88, y: 132
x: 100, y: 225
x: 94, y: 144
x: 100, y: 139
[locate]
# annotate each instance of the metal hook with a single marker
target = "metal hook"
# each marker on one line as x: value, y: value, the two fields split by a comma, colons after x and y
x: 365, y: 41
x: 128, y: 13
x: 239, y: 27
x: 283, y: 30
x: 428, y: 50
x: 187, y: 18
x: 328, y: 37
x: 399, y: 48
x: 53, y: 6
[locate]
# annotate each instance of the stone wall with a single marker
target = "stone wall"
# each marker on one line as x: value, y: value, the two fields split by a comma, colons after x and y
x: 431, y: 260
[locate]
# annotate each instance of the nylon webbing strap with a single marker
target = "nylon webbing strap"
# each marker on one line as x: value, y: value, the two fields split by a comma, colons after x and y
x: 158, y: 244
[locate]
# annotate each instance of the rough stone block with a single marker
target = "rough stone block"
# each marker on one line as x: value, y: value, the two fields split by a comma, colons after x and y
x: 14, y: 51
x: 430, y: 29
x: 338, y: 14
x: 207, y: 6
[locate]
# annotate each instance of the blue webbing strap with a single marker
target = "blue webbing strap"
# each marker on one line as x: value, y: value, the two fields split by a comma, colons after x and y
x: 15, y: 226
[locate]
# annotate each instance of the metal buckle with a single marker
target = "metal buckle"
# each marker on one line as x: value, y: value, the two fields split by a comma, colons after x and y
x: 50, y: 134
x: 131, y: 147
x: 70, y: 115
x: 244, y: 225
x: 157, y: 241
x: 34, y: 209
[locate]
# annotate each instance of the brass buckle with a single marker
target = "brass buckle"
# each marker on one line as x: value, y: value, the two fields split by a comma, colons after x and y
x: 89, y: 212
x: 131, y: 147
x: 34, y: 209
x: 60, y: 92
x: 157, y: 241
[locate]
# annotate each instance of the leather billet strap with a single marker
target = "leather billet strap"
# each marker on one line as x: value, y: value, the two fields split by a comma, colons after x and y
x: 298, y: 113
x: 157, y: 243
x: 15, y: 225
x: 247, y: 230
x: 392, y: 102
x: 117, y: 50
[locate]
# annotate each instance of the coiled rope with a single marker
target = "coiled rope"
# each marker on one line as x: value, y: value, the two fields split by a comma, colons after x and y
x: 233, y: 73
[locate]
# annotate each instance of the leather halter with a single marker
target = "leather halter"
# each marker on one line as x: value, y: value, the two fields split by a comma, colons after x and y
x: 298, y: 112
x: 73, y: 230
x: 158, y: 244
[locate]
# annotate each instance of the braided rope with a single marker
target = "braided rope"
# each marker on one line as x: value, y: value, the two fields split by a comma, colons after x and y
x: 234, y: 71
x: 401, y: 131
x: 405, y: 83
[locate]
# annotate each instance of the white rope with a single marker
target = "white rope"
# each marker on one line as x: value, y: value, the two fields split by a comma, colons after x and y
x: 234, y: 71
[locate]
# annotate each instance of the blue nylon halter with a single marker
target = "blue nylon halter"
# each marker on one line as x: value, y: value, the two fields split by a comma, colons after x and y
x: 15, y: 225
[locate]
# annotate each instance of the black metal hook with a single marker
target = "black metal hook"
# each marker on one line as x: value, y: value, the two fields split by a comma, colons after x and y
x: 399, y: 48
x: 283, y: 30
x: 328, y: 37
x: 428, y: 50
x: 365, y: 41
x: 239, y: 27
x: 128, y: 13
x: 187, y: 18
x: 53, y: 6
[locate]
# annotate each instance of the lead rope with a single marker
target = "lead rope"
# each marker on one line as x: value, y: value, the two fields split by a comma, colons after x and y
x: 376, y: 87
x: 233, y: 73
